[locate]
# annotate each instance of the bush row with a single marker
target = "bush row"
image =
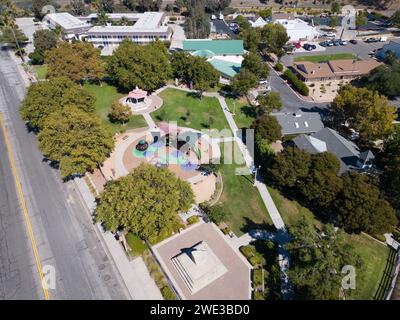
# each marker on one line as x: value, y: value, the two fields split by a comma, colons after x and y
x: 299, y: 85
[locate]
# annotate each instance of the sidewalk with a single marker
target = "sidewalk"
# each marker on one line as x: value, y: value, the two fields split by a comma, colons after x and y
x: 134, y: 273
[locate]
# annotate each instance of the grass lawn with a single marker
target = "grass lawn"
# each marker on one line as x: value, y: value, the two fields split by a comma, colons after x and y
x: 373, y: 253
x: 242, y: 201
x: 41, y: 71
x: 374, y: 256
x: 105, y: 95
x: 244, y: 112
x: 136, y: 244
x: 189, y: 111
x: 325, y: 57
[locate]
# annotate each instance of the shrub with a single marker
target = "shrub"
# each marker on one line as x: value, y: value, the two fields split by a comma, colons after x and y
x: 173, y: 18
x: 257, y: 277
x: 255, y: 260
x: 396, y: 234
x: 192, y: 219
x: 247, y: 251
x: 279, y: 67
x: 299, y: 85
x: 167, y: 293
x: 226, y: 230
x: 258, y: 296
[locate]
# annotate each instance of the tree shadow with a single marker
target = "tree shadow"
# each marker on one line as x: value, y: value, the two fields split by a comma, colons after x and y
x: 251, y: 225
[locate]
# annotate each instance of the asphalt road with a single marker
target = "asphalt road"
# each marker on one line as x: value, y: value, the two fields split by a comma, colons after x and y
x: 18, y: 276
x: 64, y: 232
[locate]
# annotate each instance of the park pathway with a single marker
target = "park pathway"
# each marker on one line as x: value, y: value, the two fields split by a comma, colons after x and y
x: 282, y: 236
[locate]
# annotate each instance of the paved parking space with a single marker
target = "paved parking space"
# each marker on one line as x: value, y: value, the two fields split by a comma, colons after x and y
x: 361, y: 49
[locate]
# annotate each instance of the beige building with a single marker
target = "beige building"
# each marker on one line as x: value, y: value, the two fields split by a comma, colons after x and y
x: 334, y: 69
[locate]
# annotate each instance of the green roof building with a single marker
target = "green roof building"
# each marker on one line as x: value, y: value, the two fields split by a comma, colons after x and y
x: 214, y: 47
x: 227, y: 68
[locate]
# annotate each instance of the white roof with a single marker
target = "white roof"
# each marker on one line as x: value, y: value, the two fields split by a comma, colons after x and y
x: 126, y: 29
x: 149, y: 20
x: 260, y: 22
x: 66, y: 20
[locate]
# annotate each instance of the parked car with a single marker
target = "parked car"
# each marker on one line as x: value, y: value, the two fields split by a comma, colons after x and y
x: 297, y: 45
x: 329, y: 43
x: 329, y: 35
x: 309, y: 47
x: 354, y: 41
x: 263, y: 81
x: 371, y: 40
x: 342, y: 42
x: 336, y: 43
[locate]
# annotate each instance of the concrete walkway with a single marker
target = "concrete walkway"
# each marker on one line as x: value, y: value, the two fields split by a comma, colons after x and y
x: 134, y: 273
x: 149, y: 120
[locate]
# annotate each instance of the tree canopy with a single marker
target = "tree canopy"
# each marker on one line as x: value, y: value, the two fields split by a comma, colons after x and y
x: 197, y: 24
x: 253, y: 62
x: 43, y: 40
x: 273, y: 38
x: 244, y: 81
x: 120, y: 112
x: 360, y: 207
x: 146, y: 201
x: 290, y: 167
x: 385, y: 79
x: 318, y: 257
x: 267, y: 127
x: 269, y: 102
x: 78, y: 141
x: 321, y: 186
x: 364, y: 110
x: 47, y: 97
x: 78, y: 61
x: 134, y: 65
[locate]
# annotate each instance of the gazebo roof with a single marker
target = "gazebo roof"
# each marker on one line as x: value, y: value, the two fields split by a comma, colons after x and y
x: 137, y: 93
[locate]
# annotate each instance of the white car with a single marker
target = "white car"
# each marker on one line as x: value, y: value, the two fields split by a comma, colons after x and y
x: 263, y: 81
x: 330, y: 35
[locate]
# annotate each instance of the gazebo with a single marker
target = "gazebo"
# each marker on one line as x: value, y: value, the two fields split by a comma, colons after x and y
x: 136, y: 95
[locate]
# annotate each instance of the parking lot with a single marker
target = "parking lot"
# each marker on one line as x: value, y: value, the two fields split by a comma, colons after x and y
x: 361, y: 49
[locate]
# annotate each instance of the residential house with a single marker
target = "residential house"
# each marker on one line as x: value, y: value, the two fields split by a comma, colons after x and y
x: 299, y: 122
x: 334, y: 69
x: 393, y: 45
x: 327, y: 139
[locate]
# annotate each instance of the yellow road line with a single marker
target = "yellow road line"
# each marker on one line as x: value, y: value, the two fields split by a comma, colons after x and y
x: 25, y: 211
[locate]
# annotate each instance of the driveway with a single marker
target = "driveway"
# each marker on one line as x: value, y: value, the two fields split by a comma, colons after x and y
x: 28, y: 27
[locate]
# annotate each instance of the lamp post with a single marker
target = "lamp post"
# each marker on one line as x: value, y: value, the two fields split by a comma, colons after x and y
x: 234, y: 108
x: 255, y: 174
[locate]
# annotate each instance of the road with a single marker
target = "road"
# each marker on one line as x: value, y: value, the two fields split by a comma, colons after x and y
x: 64, y: 232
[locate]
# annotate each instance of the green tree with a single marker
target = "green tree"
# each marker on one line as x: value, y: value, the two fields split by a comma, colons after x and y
x: 105, y: 5
x: 395, y: 18
x: 366, y: 111
x: 267, y: 127
x: 133, y: 65
x: 322, y: 184
x: 251, y: 38
x: 335, y: 7
x: 197, y: 24
x: 78, y: 61
x: 119, y: 112
x: 77, y: 7
x: 273, y: 38
x: 360, y: 207
x: 78, y: 141
x: 7, y: 13
x: 43, y: 40
x: 290, y: 167
x: 37, y: 8
x: 244, y: 81
x: 333, y: 21
x: 215, y: 213
x: 318, y: 257
x: 265, y: 13
x: 180, y: 63
x: 391, y: 174
x: 47, y: 97
x: 130, y: 4
x: 13, y: 37
x: 385, y: 79
x: 361, y: 19
x: 269, y: 102
x: 145, y: 201
x: 202, y: 75
x: 253, y: 62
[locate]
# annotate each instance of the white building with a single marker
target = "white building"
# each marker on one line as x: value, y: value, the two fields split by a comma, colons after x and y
x: 146, y: 27
x: 298, y: 30
x: 71, y: 26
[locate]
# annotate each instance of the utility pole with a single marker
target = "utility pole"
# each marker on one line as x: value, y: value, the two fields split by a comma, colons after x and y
x: 255, y: 174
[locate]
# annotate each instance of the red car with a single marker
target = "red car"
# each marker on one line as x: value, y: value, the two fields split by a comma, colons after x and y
x: 297, y: 45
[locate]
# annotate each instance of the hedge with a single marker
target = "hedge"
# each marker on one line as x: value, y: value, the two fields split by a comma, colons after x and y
x: 279, y: 67
x: 299, y: 85
x: 257, y: 277
x: 167, y: 293
x: 255, y: 260
x: 247, y: 251
x: 135, y: 243
x: 192, y: 219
